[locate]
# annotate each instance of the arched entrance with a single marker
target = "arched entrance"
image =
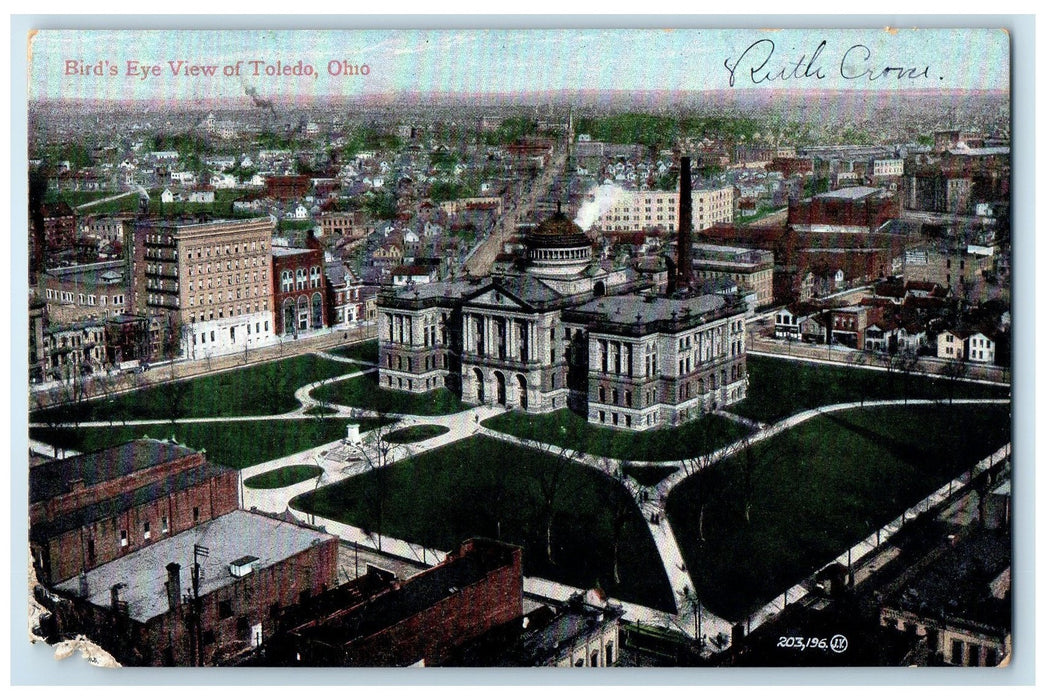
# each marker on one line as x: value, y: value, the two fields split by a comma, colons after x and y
x: 481, y: 395
x: 500, y: 379
x: 522, y: 381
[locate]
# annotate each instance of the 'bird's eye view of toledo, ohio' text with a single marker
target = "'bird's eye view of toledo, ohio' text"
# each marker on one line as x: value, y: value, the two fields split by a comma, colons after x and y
x: 520, y: 348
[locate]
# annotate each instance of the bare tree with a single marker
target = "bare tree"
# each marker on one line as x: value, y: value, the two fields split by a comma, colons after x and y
x: 622, y: 510
x: 376, y: 452
x: 955, y: 371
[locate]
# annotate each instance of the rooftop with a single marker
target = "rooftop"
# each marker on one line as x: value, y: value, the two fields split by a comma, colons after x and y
x: 851, y: 193
x: 228, y: 538
x: 53, y: 478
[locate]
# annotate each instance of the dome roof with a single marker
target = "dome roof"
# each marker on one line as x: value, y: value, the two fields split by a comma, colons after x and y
x: 558, y: 224
x: 557, y: 231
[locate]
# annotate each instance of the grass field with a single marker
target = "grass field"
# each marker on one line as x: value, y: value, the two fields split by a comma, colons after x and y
x: 366, y: 351
x: 283, y: 477
x: 484, y: 487
x: 415, y: 433
x: 364, y: 392
x: 565, y: 428
x: 817, y: 489
x: 257, y: 390
x: 235, y: 444
x: 779, y: 388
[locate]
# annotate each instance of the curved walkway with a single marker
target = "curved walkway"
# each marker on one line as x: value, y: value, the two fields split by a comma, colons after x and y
x: 340, y: 461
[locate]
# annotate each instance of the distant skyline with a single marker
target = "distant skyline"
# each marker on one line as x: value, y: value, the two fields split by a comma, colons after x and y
x: 64, y: 64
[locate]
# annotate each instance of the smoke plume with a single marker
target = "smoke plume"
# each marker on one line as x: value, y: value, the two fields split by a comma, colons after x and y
x: 597, y: 202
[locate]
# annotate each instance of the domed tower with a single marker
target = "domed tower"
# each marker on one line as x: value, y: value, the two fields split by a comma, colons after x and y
x: 557, y: 249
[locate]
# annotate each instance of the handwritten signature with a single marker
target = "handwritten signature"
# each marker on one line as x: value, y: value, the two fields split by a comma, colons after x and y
x: 857, y: 63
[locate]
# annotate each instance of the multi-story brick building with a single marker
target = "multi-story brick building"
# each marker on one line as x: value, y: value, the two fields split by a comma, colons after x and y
x: 422, y: 619
x: 75, y: 293
x: 337, y: 224
x: 299, y: 289
x: 211, y: 278
x: 90, y: 509
x: 637, y: 210
x: 753, y: 270
x: 112, y: 531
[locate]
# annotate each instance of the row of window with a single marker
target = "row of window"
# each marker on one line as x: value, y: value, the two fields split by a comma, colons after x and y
x: 84, y: 299
x: 240, y: 310
x: 289, y: 281
x: 217, y: 250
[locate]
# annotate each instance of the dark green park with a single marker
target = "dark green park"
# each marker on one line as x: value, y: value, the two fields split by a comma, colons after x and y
x: 364, y: 392
x: 235, y: 444
x: 568, y: 430
x: 283, y: 477
x: 779, y: 388
x: 815, y: 490
x: 256, y: 390
x: 485, y: 487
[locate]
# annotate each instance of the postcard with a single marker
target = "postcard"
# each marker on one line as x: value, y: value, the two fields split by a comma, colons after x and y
x: 517, y: 348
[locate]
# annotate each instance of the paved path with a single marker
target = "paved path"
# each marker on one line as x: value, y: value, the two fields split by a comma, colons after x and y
x: 340, y: 461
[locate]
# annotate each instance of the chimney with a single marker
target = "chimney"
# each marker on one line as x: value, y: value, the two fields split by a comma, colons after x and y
x: 84, y: 590
x: 174, y: 584
x: 686, y: 226
x: 114, y: 596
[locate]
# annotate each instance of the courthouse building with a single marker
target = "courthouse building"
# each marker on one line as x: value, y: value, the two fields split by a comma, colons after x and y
x: 558, y: 330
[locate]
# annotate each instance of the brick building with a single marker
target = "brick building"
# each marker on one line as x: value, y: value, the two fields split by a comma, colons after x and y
x: 422, y: 619
x: 337, y: 224
x: 75, y: 293
x: 203, y: 597
x: 112, y: 531
x: 91, y: 509
x: 210, y: 278
x: 299, y: 289
x: 847, y: 210
x: 287, y: 186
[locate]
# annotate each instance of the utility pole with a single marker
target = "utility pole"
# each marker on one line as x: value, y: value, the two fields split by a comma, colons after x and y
x: 198, y: 551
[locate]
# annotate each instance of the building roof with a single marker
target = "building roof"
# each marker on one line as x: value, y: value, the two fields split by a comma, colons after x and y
x: 54, y: 478
x: 124, y: 502
x: 228, y: 538
x: 852, y: 193
x: 415, y: 595
x: 285, y: 251
x: 642, y: 310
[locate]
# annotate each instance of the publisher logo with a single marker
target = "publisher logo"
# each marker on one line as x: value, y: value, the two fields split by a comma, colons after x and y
x: 838, y: 644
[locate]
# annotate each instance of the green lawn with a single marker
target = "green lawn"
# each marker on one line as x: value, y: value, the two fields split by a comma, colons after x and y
x: 779, y: 388
x: 235, y: 444
x: 364, y: 392
x: 366, y: 351
x: 565, y: 428
x: 255, y: 390
x: 416, y: 433
x: 484, y: 487
x: 283, y: 477
x: 817, y: 489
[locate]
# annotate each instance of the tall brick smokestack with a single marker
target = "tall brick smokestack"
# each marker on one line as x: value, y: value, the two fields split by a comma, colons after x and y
x: 174, y: 585
x: 684, y: 273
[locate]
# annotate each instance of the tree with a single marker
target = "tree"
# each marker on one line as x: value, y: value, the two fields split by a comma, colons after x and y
x: 376, y: 452
x: 621, y: 511
x: 955, y: 371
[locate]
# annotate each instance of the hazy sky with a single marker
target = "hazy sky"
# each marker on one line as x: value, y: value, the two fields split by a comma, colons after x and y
x: 508, y: 61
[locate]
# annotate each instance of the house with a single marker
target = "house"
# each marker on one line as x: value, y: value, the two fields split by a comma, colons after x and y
x: 980, y: 348
x: 405, y: 275
x: 951, y: 345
